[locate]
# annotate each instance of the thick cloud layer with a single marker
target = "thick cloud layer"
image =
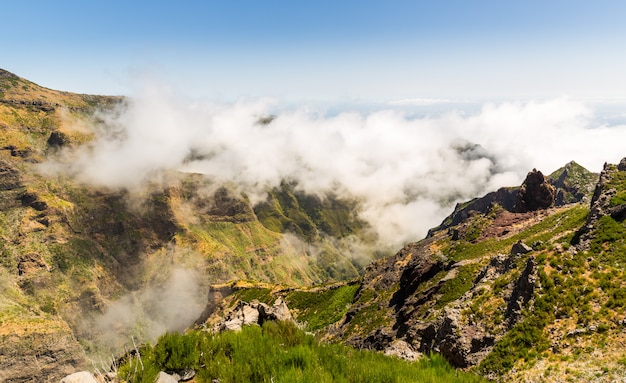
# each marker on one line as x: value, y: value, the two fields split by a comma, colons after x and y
x: 408, y: 171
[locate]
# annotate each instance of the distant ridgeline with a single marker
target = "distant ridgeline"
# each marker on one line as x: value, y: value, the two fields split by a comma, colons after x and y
x: 570, y: 184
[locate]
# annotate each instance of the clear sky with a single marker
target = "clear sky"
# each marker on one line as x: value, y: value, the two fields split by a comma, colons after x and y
x: 323, y: 50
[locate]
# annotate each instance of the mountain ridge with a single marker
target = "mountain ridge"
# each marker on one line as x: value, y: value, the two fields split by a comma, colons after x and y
x: 73, y: 253
x: 522, y: 284
x: 512, y: 296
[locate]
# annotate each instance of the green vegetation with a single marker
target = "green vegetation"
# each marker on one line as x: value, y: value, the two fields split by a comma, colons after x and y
x: 308, y: 216
x: 618, y: 182
x: 263, y: 295
x: 278, y: 352
x: 319, y: 309
x: 609, y: 240
x: 565, y: 222
x: 454, y: 288
x: 584, y: 288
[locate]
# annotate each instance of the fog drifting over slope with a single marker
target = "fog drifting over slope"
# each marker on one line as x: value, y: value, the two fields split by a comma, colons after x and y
x: 408, y: 171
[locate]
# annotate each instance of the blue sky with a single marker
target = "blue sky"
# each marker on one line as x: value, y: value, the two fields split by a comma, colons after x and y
x: 323, y: 50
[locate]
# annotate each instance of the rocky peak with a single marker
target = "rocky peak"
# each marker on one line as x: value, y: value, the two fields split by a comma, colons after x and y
x: 535, y: 193
x: 571, y: 183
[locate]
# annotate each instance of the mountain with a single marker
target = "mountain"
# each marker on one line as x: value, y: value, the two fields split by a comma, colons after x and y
x: 74, y: 256
x: 523, y: 284
x: 515, y: 296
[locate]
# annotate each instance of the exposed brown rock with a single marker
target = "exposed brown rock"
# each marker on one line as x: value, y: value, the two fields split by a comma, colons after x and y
x: 535, y: 193
x: 58, y: 139
x: 38, y: 353
x: 30, y: 263
x: 9, y: 177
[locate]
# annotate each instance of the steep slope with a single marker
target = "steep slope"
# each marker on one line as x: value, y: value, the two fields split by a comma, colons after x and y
x: 515, y: 296
x: 535, y: 296
x: 70, y: 251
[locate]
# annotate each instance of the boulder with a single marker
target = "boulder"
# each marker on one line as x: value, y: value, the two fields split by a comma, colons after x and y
x: 520, y: 248
x: 253, y: 313
x: 30, y: 263
x: 402, y: 350
x: 80, y: 377
x: 58, y: 139
x: 622, y: 165
x: 165, y: 378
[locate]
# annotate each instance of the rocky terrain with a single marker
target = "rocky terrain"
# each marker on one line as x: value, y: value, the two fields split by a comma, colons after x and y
x: 523, y: 284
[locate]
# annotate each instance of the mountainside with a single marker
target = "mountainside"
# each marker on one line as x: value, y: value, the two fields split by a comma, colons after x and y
x: 523, y: 284
x: 514, y: 296
x: 73, y: 256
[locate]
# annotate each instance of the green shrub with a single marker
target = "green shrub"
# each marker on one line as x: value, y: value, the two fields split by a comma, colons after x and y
x: 175, y: 351
x: 279, y: 352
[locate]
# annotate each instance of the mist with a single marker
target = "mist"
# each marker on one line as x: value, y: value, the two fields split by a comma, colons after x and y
x: 408, y: 171
x: 146, y: 314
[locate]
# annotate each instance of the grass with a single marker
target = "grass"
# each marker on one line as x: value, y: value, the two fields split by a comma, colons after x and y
x: 617, y: 182
x: 457, y: 286
x: 319, y: 309
x: 564, y: 221
x: 308, y: 216
x: 279, y: 352
x: 263, y: 295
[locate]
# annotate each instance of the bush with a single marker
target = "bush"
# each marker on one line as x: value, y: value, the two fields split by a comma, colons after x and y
x: 279, y: 352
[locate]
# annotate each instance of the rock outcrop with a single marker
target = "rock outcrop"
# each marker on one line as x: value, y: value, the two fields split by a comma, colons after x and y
x: 535, y: 193
x: 571, y: 183
x: 253, y: 313
x: 601, y: 203
x: 520, y: 247
x: 420, y: 277
x: 38, y: 351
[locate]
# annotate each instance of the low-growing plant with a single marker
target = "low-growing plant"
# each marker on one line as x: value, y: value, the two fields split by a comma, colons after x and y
x: 278, y: 352
x: 319, y: 309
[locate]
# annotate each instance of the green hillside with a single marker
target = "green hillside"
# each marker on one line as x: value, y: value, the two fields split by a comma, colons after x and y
x: 70, y: 250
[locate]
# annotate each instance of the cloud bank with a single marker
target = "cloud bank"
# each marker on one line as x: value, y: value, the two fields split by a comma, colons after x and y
x: 409, y: 172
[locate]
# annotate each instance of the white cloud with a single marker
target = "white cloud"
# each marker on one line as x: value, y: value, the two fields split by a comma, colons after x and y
x: 408, y: 171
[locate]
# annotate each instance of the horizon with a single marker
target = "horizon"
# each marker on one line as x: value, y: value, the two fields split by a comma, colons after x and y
x: 325, y: 52
x: 402, y: 132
